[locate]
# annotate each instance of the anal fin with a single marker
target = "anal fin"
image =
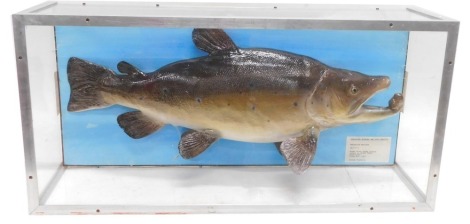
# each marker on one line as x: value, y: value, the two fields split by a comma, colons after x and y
x: 299, y: 151
x: 138, y: 125
x: 194, y: 142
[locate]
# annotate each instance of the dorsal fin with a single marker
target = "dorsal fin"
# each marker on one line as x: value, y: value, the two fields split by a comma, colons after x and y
x: 125, y: 67
x: 214, y: 41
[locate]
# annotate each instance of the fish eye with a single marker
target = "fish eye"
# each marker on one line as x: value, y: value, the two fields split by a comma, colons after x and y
x: 354, y: 90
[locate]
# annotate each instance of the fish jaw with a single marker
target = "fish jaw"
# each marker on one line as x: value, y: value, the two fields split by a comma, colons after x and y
x: 367, y: 113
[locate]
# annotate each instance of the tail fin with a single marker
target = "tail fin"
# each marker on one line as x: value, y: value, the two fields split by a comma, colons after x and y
x: 85, y: 80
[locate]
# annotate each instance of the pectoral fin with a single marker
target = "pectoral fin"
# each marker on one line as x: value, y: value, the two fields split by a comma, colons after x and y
x: 213, y: 41
x: 194, y: 142
x: 138, y: 125
x: 299, y: 152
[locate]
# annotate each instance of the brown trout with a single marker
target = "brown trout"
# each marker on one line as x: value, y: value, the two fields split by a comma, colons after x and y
x: 250, y: 95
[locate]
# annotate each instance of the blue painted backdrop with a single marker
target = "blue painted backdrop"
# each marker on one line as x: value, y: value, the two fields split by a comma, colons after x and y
x: 94, y: 137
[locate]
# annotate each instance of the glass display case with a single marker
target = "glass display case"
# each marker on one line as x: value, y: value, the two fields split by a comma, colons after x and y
x: 146, y: 108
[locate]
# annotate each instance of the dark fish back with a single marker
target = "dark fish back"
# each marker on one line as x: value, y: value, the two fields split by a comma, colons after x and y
x: 250, y: 70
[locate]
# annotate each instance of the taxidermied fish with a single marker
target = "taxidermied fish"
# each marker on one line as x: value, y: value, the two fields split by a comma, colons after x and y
x: 249, y: 95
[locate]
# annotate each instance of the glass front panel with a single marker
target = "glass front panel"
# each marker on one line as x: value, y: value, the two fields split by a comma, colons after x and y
x: 94, y: 137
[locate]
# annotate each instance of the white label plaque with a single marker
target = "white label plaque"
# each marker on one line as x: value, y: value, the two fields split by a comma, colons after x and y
x: 368, y: 149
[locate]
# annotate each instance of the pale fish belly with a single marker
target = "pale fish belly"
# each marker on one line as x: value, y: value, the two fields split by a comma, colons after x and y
x: 267, y: 121
x: 242, y: 128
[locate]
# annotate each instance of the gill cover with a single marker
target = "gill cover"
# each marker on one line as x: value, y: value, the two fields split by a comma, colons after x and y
x: 340, y: 93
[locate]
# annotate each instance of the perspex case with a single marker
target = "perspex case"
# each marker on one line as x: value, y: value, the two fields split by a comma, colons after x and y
x: 84, y: 164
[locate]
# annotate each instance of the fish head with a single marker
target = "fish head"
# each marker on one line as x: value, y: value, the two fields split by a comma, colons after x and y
x: 340, y: 93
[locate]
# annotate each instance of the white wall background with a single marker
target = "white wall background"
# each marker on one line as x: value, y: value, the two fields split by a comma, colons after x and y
x: 453, y: 193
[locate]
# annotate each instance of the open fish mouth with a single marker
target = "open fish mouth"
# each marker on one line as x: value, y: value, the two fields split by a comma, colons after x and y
x: 376, y: 84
